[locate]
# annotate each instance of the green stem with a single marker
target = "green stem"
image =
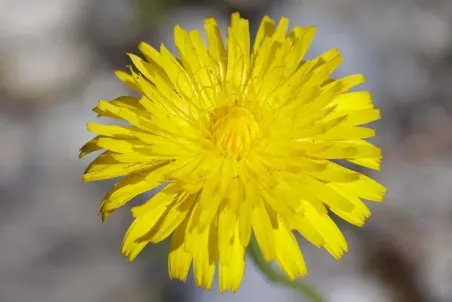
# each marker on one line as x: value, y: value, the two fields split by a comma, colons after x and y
x: 277, y: 277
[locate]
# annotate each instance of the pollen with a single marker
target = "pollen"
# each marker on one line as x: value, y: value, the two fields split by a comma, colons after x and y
x: 234, y: 130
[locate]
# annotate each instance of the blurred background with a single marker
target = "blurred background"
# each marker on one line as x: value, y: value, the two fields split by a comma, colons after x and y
x: 56, y: 61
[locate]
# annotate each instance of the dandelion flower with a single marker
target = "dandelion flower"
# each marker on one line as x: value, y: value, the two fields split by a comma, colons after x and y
x: 243, y: 141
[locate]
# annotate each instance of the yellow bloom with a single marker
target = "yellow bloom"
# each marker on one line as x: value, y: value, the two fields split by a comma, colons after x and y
x: 244, y: 139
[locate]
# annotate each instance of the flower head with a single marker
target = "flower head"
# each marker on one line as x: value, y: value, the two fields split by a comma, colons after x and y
x: 244, y: 142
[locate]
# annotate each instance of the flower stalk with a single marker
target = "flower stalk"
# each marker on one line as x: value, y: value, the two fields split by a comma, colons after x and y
x: 277, y: 277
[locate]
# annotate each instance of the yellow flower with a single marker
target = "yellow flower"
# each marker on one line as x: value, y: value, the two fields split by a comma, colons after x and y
x: 244, y: 140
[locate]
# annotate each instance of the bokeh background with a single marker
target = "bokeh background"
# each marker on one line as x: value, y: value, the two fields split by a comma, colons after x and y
x: 56, y: 61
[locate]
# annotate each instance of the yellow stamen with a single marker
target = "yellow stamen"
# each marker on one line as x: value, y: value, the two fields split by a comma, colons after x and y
x: 234, y: 129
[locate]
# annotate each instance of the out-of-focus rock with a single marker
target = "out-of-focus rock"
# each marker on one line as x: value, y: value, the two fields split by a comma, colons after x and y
x: 15, y: 136
x: 430, y: 138
x: 54, y: 207
x: 55, y: 247
x: 435, y: 268
x: 112, y: 23
x: 416, y: 218
x: 419, y: 190
x: 358, y: 288
x: 250, y: 5
x: 42, y: 70
x: 41, y: 54
x: 28, y: 19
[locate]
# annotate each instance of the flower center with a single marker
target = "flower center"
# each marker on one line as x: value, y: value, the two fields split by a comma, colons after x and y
x: 234, y: 129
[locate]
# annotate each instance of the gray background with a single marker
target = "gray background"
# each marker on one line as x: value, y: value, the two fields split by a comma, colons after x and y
x: 56, y: 61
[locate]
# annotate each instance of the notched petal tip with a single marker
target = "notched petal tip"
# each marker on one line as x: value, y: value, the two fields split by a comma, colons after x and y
x: 143, y: 45
x: 84, y: 179
x: 235, y: 16
x: 177, y: 29
x: 121, y: 74
x: 103, y: 215
x: 284, y: 20
x: 267, y: 18
x: 210, y: 21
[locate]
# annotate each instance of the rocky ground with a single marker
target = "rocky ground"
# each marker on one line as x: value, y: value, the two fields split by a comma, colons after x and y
x: 56, y: 58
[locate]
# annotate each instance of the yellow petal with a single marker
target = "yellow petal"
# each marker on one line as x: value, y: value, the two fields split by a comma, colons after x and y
x: 238, y: 63
x: 205, y: 256
x: 119, y: 145
x: 89, y: 147
x: 281, y: 29
x: 354, y: 100
x: 302, y: 39
x: 216, y: 46
x: 365, y: 187
x: 349, y: 149
x: 126, y: 114
x: 105, y: 167
x: 128, y: 188
x: 266, y: 29
x: 205, y: 80
x: 227, y: 224
x: 134, y: 157
x: 130, y: 248
x: 335, y: 242
x: 245, y: 224
x: 348, y: 82
x: 334, y: 173
x: 213, y: 192
x: 173, y: 217
x: 143, y: 67
x: 231, y: 271
x: 179, y: 261
x: 128, y: 80
x: 307, y: 230
x: 288, y: 254
x: 151, y: 54
x: 347, y: 133
x: 124, y: 132
x: 148, y: 218
x: 131, y: 103
x: 317, y: 189
x: 371, y: 163
x: 263, y: 230
x: 360, y: 211
x: 155, y: 207
x: 176, y: 73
